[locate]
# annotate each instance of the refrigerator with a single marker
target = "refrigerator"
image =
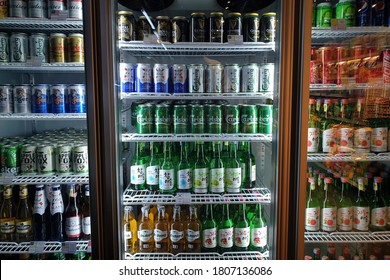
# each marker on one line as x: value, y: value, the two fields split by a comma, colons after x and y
x: 139, y: 45
x: 344, y: 148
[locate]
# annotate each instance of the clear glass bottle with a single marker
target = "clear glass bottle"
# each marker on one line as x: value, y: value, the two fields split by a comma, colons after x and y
x: 201, y: 170
x: 24, y: 228
x: 184, y: 170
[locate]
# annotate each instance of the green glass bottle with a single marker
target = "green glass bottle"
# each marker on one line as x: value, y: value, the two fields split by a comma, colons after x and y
x: 259, y: 231
x: 344, y: 207
x: 313, y: 208
x: 379, y: 130
x: 152, y: 168
x: 313, y: 128
x: 328, y: 129
x: 248, y: 167
x: 209, y: 231
x: 217, y: 170
x: 361, y: 209
x: 329, y: 208
x: 184, y: 170
x: 241, y: 230
x: 167, y: 172
x: 225, y: 231
x: 137, y: 169
x: 201, y: 170
x: 233, y: 171
x: 378, y: 207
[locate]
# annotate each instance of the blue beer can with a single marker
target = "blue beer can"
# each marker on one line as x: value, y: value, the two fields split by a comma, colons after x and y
x: 57, y: 99
x: 127, y: 79
x: 161, y: 78
x: 179, y: 78
x: 378, y: 13
x: 363, y: 8
x: 39, y: 98
x: 143, y: 78
x: 76, y: 99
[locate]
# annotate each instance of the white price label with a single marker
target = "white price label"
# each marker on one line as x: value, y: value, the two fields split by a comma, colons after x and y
x: 59, y: 15
x: 150, y: 39
x: 235, y: 39
x: 35, y: 61
x: 183, y: 198
x: 70, y: 247
x: 338, y: 24
x: 37, y: 247
x: 6, y: 179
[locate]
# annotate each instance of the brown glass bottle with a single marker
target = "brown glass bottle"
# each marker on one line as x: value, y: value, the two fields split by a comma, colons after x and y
x: 7, y: 220
x: 145, y: 231
x: 193, y: 230
x: 176, y: 232
x: 161, y: 227
x: 72, y: 217
x: 86, y: 216
x: 23, y: 216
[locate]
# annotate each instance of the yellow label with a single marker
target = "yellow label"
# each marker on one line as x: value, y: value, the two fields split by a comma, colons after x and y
x: 3, y: 8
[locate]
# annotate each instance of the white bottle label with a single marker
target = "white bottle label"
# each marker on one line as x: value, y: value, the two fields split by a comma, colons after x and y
x: 40, y: 203
x: 328, y: 219
x: 210, y: 238
x: 328, y: 140
x: 137, y: 174
x: 73, y: 226
x: 23, y: 227
x: 217, y: 180
x: 166, y: 181
x: 56, y: 205
x: 362, y: 138
x: 378, y: 217
x: 312, y: 141
x: 152, y: 175
x: 253, y: 173
x: 201, y: 176
x: 379, y: 139
x: 145, y: 235
x: 86, y: 225
x: 346, y: 139
x: 176, y: 235
x: 233, y: 179
x: 312, y: 219
x: 128, y: 235
x: 344, y: 218
x: 192, y: 235
x: 160, y: 235
x: 242, y: 237
x: 361, y: 218
x: 225, y: 237
x: 184, y: 179
x: 259, y: 237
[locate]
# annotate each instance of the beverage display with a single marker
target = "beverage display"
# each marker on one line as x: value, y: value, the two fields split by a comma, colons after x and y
x: 23, y: 219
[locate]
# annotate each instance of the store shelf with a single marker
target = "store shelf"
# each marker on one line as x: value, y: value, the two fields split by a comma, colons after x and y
x: 43, y: 117
x: 351, y: 237
x: 41, y: 25
x: 9, y: 179
x: 199, y: 256
x: 348, y: 157
x: 197, y: 96
x: 37, y: 247
x: 195, y: 49
x: 329, y: 34
x: 347, y: 87
x: 44, y: 67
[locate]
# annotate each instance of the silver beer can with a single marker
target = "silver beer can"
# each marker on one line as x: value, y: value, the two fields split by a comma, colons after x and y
x: 18, y: 8
x: 55, y: 6
x: 39, y: 45
x: 195, y: 78
x: 214, y: 78
x: 45, y: 159
x: 4, y: 47
x: 37, y: 9
x: 22, y: 99
x: 6, y: 100
x: 266, y: 77
x: 231, y: 78
x: 19, y: 47
x: 75, y: 9
x: 28, y: 161
x: 80, y: 159
x: 63, y: 156
x: 250, y: 78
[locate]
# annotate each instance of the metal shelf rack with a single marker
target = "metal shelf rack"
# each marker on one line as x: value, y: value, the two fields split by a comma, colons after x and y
x: 348, y: 157
x: 42, y: 67
x: 197, y: 96
x: 41, y: 25
x: 322, y: 35
x: 9, y: 179
x: 37, y: 247
x: 250, y: 255
x: 351, y: 237
x: 347, y: 87
x: 43, y: 117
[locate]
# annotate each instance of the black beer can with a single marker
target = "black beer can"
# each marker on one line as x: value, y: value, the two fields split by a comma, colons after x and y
x: 267, y: 27
x: 126, y: 26
x: 233, y: 25
x: 198, y: 27
x: 216, y: 27
x: 143, y: 28
x: 251, y: 30
x: 164, y: 28
x: 180, y: 30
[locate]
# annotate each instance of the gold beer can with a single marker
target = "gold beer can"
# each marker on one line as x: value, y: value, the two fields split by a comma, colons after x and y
x: 57, y: 47
x: 3, y: 8
x: 76, y: 48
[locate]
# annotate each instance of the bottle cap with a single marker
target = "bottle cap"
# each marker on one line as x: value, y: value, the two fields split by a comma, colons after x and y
x: 344, y: 180
x: 377, y: 179
x: 324, y: 258
x: 317, y: 251
x: 332, y: 250
x: 340, y: 258
x: 328, y: 180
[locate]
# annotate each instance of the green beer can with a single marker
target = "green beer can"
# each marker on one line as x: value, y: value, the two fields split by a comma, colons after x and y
x: 231, y: 118
x: 145, y: 118
x: 324, y: 14
x: 214, y: 118
x: 133, y: 112
x: 163, y: 118
x: 10, y: 159
x: 265, y: 118
x: 197, y: 118
x: 346, y: 9
x: 249, y: 118
x: 180, y: 119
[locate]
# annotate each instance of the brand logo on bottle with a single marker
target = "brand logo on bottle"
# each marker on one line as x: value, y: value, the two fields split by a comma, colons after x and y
x: 176, y: 235
x: 159, y: 235
x: 192, y: 235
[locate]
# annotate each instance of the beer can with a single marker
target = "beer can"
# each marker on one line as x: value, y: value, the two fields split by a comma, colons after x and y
x: 180, y: 119
x: 19, y: 47
x: 315, y: 72
x: 126, y: 75
x: 80, y: 159
x: 216, y: 27
x: 18, y: 8
x: 143, y: 78
x: 231, y: 119
x: 163, y: 28
x: 251, y: 27
x: 161, y: 77
x: 39, y: 45
x: 57, y: 99
x: 265, y: 118
x: 6, y: 100
x: 75, y: 9
x: 75, y: 44
x: 126, y: 26
x: 55, y: 7
x: 143, y: 28
x: 195, y: 78
x: 63, y: 159
x: 342, y: 65
x: 22, y: 99
x: 178, y: 78
x: 3, y: 9
x: 28, y: 161
x: 268, y: 27
x: 231, y: 78
x: 346, y: 9
x: 249, y: 118
x: 324, y: 14
x: 378, y: 13
x: 76, y: 99
x: 4, y: 47
x: 198, y: 27
x: 214, y: 78
x: 45, y: 159
x: 363, y: 9
x: 180, y: 29
x: 145, y: 118
x: 39, y: 97
x: 57, y: 43
x: 10, y: 158
x: 133, y: 112
x: 214, y: 118
x: 250, y: 78
x: 328, y: 58
x: 386, y: 66
x: 267, y: 77
x: 233, y: 25
x: 162, y: 118
x: 197, y: 118
x: 37, y: 9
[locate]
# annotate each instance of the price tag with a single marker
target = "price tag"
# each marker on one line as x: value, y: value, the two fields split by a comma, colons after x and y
x: 235, y: 39
x: 35, y: 61
x: 6, y: 178
x: 37, y: 247
x: 150, y: 39
x: 183, y: 198
x: 70, y: 247
x: 338, y: 24
x: 59, y: 15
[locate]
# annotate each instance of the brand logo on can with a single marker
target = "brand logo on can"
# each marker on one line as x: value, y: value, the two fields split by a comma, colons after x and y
x: 179, y: 76
x: 196, y: 80
x: 3, y: 49
x: 21, y: 96
x: 18, y: 53
x: 39, y: 46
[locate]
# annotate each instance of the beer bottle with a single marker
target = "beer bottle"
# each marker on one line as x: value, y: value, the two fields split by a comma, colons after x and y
x: 344, y: 207
x: 378, y: 207
x: 313, y: 131
x: 201, y: 170
x: 152, y: 210
x: 241, y: 230
x: 361, y: 209
x: 167, y: 172
x: 233, y: 171
x: 313, y: 208
x: 329, y: 208
x: 217, y: 171
x: 145, y: 232
x: 41, y: 215
x: 72, y: 217
x: 225, y: 231
x: 248, y: 167
x: 328, y: 129
x: 209, y: 230
x: 8, y: 215
x: 193, y: 229
x: 259, y: 232
x: 23, y: 216
x: 152, y: 168
x: 129, y: 230
x: 225, y: 152
x: 176, y: 232
x: 316, y: 254
x: 161, y: 228
x: 137, y: 169
x: 86, y: 216
x: 184, y: 170
x: 379, y: 129
x: 56, y: 214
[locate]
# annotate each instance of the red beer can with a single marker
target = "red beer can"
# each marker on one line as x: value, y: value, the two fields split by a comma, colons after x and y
x: 361, y: 72
x: 328, y: 59
x: 342, y: 65
x: 315, y: 72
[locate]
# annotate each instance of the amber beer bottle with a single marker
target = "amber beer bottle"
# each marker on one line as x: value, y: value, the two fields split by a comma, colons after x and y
x: 145, y: 231
x: 161, y: 227
x: 41, y: 215
x: 176, y: 233
x: 23, y: 216
x: 7, y: 220
x: 129, y: 230
x: 72, y: 217
x: 193, y: 229
x: 86, y: 216
x: 56, y: 214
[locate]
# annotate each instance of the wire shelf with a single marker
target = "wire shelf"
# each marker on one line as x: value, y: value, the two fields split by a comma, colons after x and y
x: 199, y: 256
x: 351, y: 86
x: 348, y: 157
x: 31, y: 117
x: 44, y: 67
x: 37, y: 247
x: 41, y: 25
x: 195, y: 49
x: 350, y: 237
x: 9, y: 179
x: 198, y: 96
x: 348, y: 33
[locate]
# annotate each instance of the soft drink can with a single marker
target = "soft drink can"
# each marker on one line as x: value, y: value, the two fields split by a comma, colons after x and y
x: 214, y: 118
x: 63, y: 158
x: 214, y: 78
x: 249, y: 120
x: 57, y: 99
x: 231, y: 78
x: 346, y: 9
x: 39, y: 45
x: 267, y: 76
x: 231, y: 118
x: 265, y: 118
x: 4, y: 47
x: 80, y: 159
x: 57, y: 47
x: 327, y: 56
x: 3, y: 8
x: 55, y: 6
x: 75, y: 9
x: 133, y: 112
x: 45, y: 159
x: 315, y: 72
x: 18, y: 8
x: 22, y: 99
x: 363, y: 8
x: 10, y: 159
x: 179, y: 78
x: 342, y: 65
x: 180, y: 119
x: 28, y: 161
x: 163, y: 118
x: 161, y: 78
x: 19, y: 47
x: 76, y: 99
x: 145, y: 118
x: 39, y: 97
x: 75, y: 44
x: 143, y: 78
x: 324, y: 14
x: 197, y: 118
x: 196, y: 78
x: 378, y: 13
x: 250, y: 78
x: 126, y: 74
x: 386, y: 66
x: 6, y: 100
x: 37, y: 9
x: 360, y: 69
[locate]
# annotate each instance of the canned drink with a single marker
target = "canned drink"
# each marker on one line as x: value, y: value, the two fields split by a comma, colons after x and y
x: 251, y: 27
x: 28, y: 162
x: 133, y: 112
x: 363, y: 8
x: 57, y: 47
x: 55, y: 7
x: 268, y: 27
x: 378, y: 13
x: 10, y: 158
x: 19, y: 47
x: 4, y: 47
x: 386, y: 66
x: 126, y: 74
x: 145, y: 118
x: 216, y: 27
x: 197, y: 118
x: 315, y: 72
x: 143, y: 78
x: 75, y: 9
x: 39, y: 97
x: 6, y: 100
x: 358, y: 67
x: 214, y: 78
x: 163, y: 28
x: 161, y: 77
x: 249, y: 118
x: 57, y: 99
x: 328, y: 58
x: 233, y: 25
x: 39, y: 45
x: 250, y: 78
x: 80, y: 159
x: 180, y: 119
x: 76, y: 99
x: 18, y: 8
x: 231, y: 78
x: 267, y: 77
x: 143, y: 28
x: 195, y: 78
x: 180, y: 30
x: 231, y: 119
x: 179, y: 78
x: 162, y: 118
x: 346, y: 9
x: 75, y: 43
x: 22, y: 99
x: 198, y: 27
x: 265, y: 118
x: 342, y: 65
x: 45, y: 159
x: 3, y: 9
x: 324, y: 14
x: 214, y: 118
x: 37, y: 9
x: 63, y: 158
x: 126, y: 26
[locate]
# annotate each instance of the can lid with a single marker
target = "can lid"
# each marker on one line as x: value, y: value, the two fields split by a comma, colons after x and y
x: 180, y: 17
x: 216, y: 14
x: 162, y: 17
x: 269, y: 14
x: 125, y: 13
x: 198, y: 14
x: 76, y: 35
x: 251, y: 15
x: 234, y: 14
x: 57, y: 35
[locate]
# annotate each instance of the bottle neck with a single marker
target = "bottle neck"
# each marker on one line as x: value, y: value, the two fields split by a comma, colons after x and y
x: 176, y: 214
x: 193, y: 213
x: 200, y: 151
x: 225, y: 212
x: 183, y: 151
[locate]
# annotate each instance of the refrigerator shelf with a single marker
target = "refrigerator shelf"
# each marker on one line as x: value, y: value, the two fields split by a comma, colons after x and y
x: 135, y: 137
x: 348, y: 33
x: 352, y: 237
x: 348, y: 157
x: 130, y: 197
x: 42, y: 67
x: 9, y: 179
x: 48, y: 117
x: 37, y: 247
x: 350, y: 86
x: 250, y: 255
x: 138, y: 48
x: 197, y: 96
x: 41, y: 25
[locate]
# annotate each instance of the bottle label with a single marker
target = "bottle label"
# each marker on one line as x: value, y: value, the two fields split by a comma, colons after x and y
x: 160, y: 235
x: 145, y: 235
x: 378, y: 217
x: 192, y: 235
x: 361, y: 218
x: 86, y: 225
x: 242, y: 237
x: 225, y: 237
x: 127, y: 234
x: 362, y: 138
x: 217, y: 180
x: 56, y: 205
x: 201, y: 179
x: 312, y: 141
x: 312, y: 219
x: 253, y: 173
x: 40, y: 203
x: 166, y: 181
x: 233, y: 179
x: 137, y: 174
x: 259, y: 237
x: 72, y: 227
x: 379, y: 139
x: 210, y: 238
x: 344, y: 218
x: 176, y: 235
x: 23, y: 227
x: 184, y: 178
x: 328, y: 140
x: 152, y: 175
x: 7, y: 226
x: 328, y: 219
